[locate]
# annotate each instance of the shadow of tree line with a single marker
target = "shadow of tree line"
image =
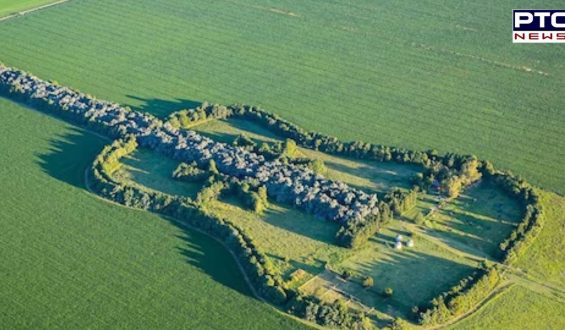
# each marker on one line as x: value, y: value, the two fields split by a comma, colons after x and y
x: 73, y: 152
x: 161, y: 107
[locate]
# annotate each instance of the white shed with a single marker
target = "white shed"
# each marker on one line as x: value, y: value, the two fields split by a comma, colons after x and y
x: 398, y: 245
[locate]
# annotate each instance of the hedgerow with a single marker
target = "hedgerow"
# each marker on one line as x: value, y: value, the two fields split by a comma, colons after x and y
x: 461, y: 298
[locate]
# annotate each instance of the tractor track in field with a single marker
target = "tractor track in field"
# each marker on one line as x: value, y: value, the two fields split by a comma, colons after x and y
x: 31, y: 10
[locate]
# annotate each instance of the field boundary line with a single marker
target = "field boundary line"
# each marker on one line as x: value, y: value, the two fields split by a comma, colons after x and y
x: 493, y: 294
x: 31, y: 10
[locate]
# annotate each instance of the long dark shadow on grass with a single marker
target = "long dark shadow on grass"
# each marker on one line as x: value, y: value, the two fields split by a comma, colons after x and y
x: 161, y: 107
x: 415, y: 277
x: 219, y: 137
x: 70, y: 154
x: 211, y: 257
x: 67, y: 159
x: 292, y: 220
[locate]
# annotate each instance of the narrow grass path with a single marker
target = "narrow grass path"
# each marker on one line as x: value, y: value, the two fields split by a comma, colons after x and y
x: 515, y: 275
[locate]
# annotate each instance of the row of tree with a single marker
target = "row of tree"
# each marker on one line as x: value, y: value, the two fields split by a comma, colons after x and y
x: 461, y: 298
x: 252, y: 194
x: 532, y: 220
x: 357, y: 231
x: 450, y: 171
x: 335, y: 315
x: 189, y: 173
x: 400, y: 201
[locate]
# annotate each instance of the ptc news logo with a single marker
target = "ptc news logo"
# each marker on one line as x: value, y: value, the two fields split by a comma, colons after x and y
x: 538, y: 26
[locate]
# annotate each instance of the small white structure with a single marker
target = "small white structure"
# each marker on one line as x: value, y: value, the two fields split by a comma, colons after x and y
x: 410, y: 243
x: 398, y: 238
x: 398, y: 245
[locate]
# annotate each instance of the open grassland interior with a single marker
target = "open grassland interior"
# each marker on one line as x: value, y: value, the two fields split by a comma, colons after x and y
x: 415, y: 274
x: 152, y: 171
x: 70, y: 260
x: 299, y: 245
x: 476, y: 222
x: 370, y: 176
x: 424, y: 75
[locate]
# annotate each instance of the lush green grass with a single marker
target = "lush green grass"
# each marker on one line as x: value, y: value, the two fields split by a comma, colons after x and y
x: 370, y: 176
x: 71, y: 260
x: 153, y: 171
x: 283, y: 232
x: 8, y: 7
x: 518, y: 308
x: 545, y: 259
x: 228, y: 130
x: 477, y: 221
x: 416, y: 274
x: 435, y: 73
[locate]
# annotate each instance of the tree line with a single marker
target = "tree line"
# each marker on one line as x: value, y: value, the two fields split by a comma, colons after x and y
x: 532, y: 220
x: 286, y: 182
x: 468, y: 293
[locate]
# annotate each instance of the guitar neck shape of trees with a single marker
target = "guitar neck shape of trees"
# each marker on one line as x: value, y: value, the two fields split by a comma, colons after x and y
x: 290, y: 183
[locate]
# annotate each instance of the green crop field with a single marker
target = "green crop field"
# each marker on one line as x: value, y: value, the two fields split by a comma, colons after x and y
x: 425, y: 75
x: 545, y: 259
x: 429, y: 74
x: 8, y: 7
x: 71, y: 260
x: 517, y: 308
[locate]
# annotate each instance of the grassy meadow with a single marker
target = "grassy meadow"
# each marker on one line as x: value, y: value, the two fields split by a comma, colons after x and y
x: 477, y: 221
x: 432, y: 74
x: 72, y: 260
x: 415, y: 274
x: 154, y: 172
x: 292, y: 239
